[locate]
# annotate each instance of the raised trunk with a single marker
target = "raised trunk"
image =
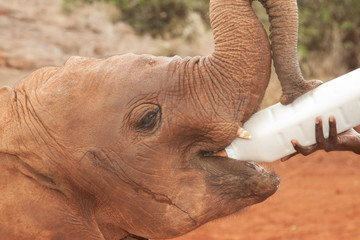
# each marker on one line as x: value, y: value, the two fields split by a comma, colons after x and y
x: 283, y: 16
x: 234, y: 78
x: 242, y: 52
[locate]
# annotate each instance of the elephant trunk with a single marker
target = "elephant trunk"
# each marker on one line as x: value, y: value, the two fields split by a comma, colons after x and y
x: 283, y: 14
x: 234, y: 77
x: 242, y: 52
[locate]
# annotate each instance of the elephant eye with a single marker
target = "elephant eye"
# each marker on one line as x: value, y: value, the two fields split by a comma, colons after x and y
x: 150, y: 120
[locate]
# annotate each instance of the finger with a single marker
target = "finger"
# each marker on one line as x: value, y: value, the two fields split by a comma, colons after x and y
x: 290, y: 155
x: 303, y: 150
x: 357, y: 129
x: 319, y: 133
x: 284, y: 159
x: 332, y: 127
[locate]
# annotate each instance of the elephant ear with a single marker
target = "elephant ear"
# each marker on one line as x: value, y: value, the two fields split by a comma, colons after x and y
x: 283, y: 16
x: 7, y: 97
x: 6, y: 94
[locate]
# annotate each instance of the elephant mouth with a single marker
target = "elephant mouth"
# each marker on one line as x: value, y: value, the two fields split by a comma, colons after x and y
x: 223, y: 154
x: 246, y: 178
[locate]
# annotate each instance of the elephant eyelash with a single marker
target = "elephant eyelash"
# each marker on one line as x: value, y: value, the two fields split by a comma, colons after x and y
x: 149, y: 121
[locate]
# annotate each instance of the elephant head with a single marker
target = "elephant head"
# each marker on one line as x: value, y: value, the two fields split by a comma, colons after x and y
x: 125, y: 145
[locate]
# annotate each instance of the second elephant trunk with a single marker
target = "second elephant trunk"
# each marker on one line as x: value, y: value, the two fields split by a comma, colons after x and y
x: 283, y: 16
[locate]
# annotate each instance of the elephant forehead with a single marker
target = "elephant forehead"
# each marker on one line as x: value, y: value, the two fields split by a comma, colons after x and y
x: 141, y: 73
x: 122, y: 76
x: 117, y: 70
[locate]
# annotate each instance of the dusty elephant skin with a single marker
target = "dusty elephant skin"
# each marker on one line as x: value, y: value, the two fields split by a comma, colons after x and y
x: 122, y: 147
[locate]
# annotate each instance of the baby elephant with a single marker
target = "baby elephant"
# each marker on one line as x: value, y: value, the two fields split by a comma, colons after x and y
x: 123, y: 147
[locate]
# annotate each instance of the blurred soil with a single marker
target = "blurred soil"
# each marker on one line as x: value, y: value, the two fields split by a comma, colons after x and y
x: 319, y: 195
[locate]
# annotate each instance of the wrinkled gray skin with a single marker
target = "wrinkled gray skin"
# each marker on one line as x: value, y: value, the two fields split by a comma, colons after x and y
x: 104, y: 148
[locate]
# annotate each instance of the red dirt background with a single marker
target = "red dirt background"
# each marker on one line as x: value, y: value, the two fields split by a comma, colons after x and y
x: 318, y: 198
x: 319, y: 195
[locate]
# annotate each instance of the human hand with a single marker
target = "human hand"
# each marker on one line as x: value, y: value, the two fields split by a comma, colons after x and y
x: 346, y: 141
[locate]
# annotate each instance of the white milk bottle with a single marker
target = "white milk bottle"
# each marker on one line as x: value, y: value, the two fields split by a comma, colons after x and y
x: 273, y: 128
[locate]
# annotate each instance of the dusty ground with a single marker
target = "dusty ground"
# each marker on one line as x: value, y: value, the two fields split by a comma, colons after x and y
x: 319, y: 195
